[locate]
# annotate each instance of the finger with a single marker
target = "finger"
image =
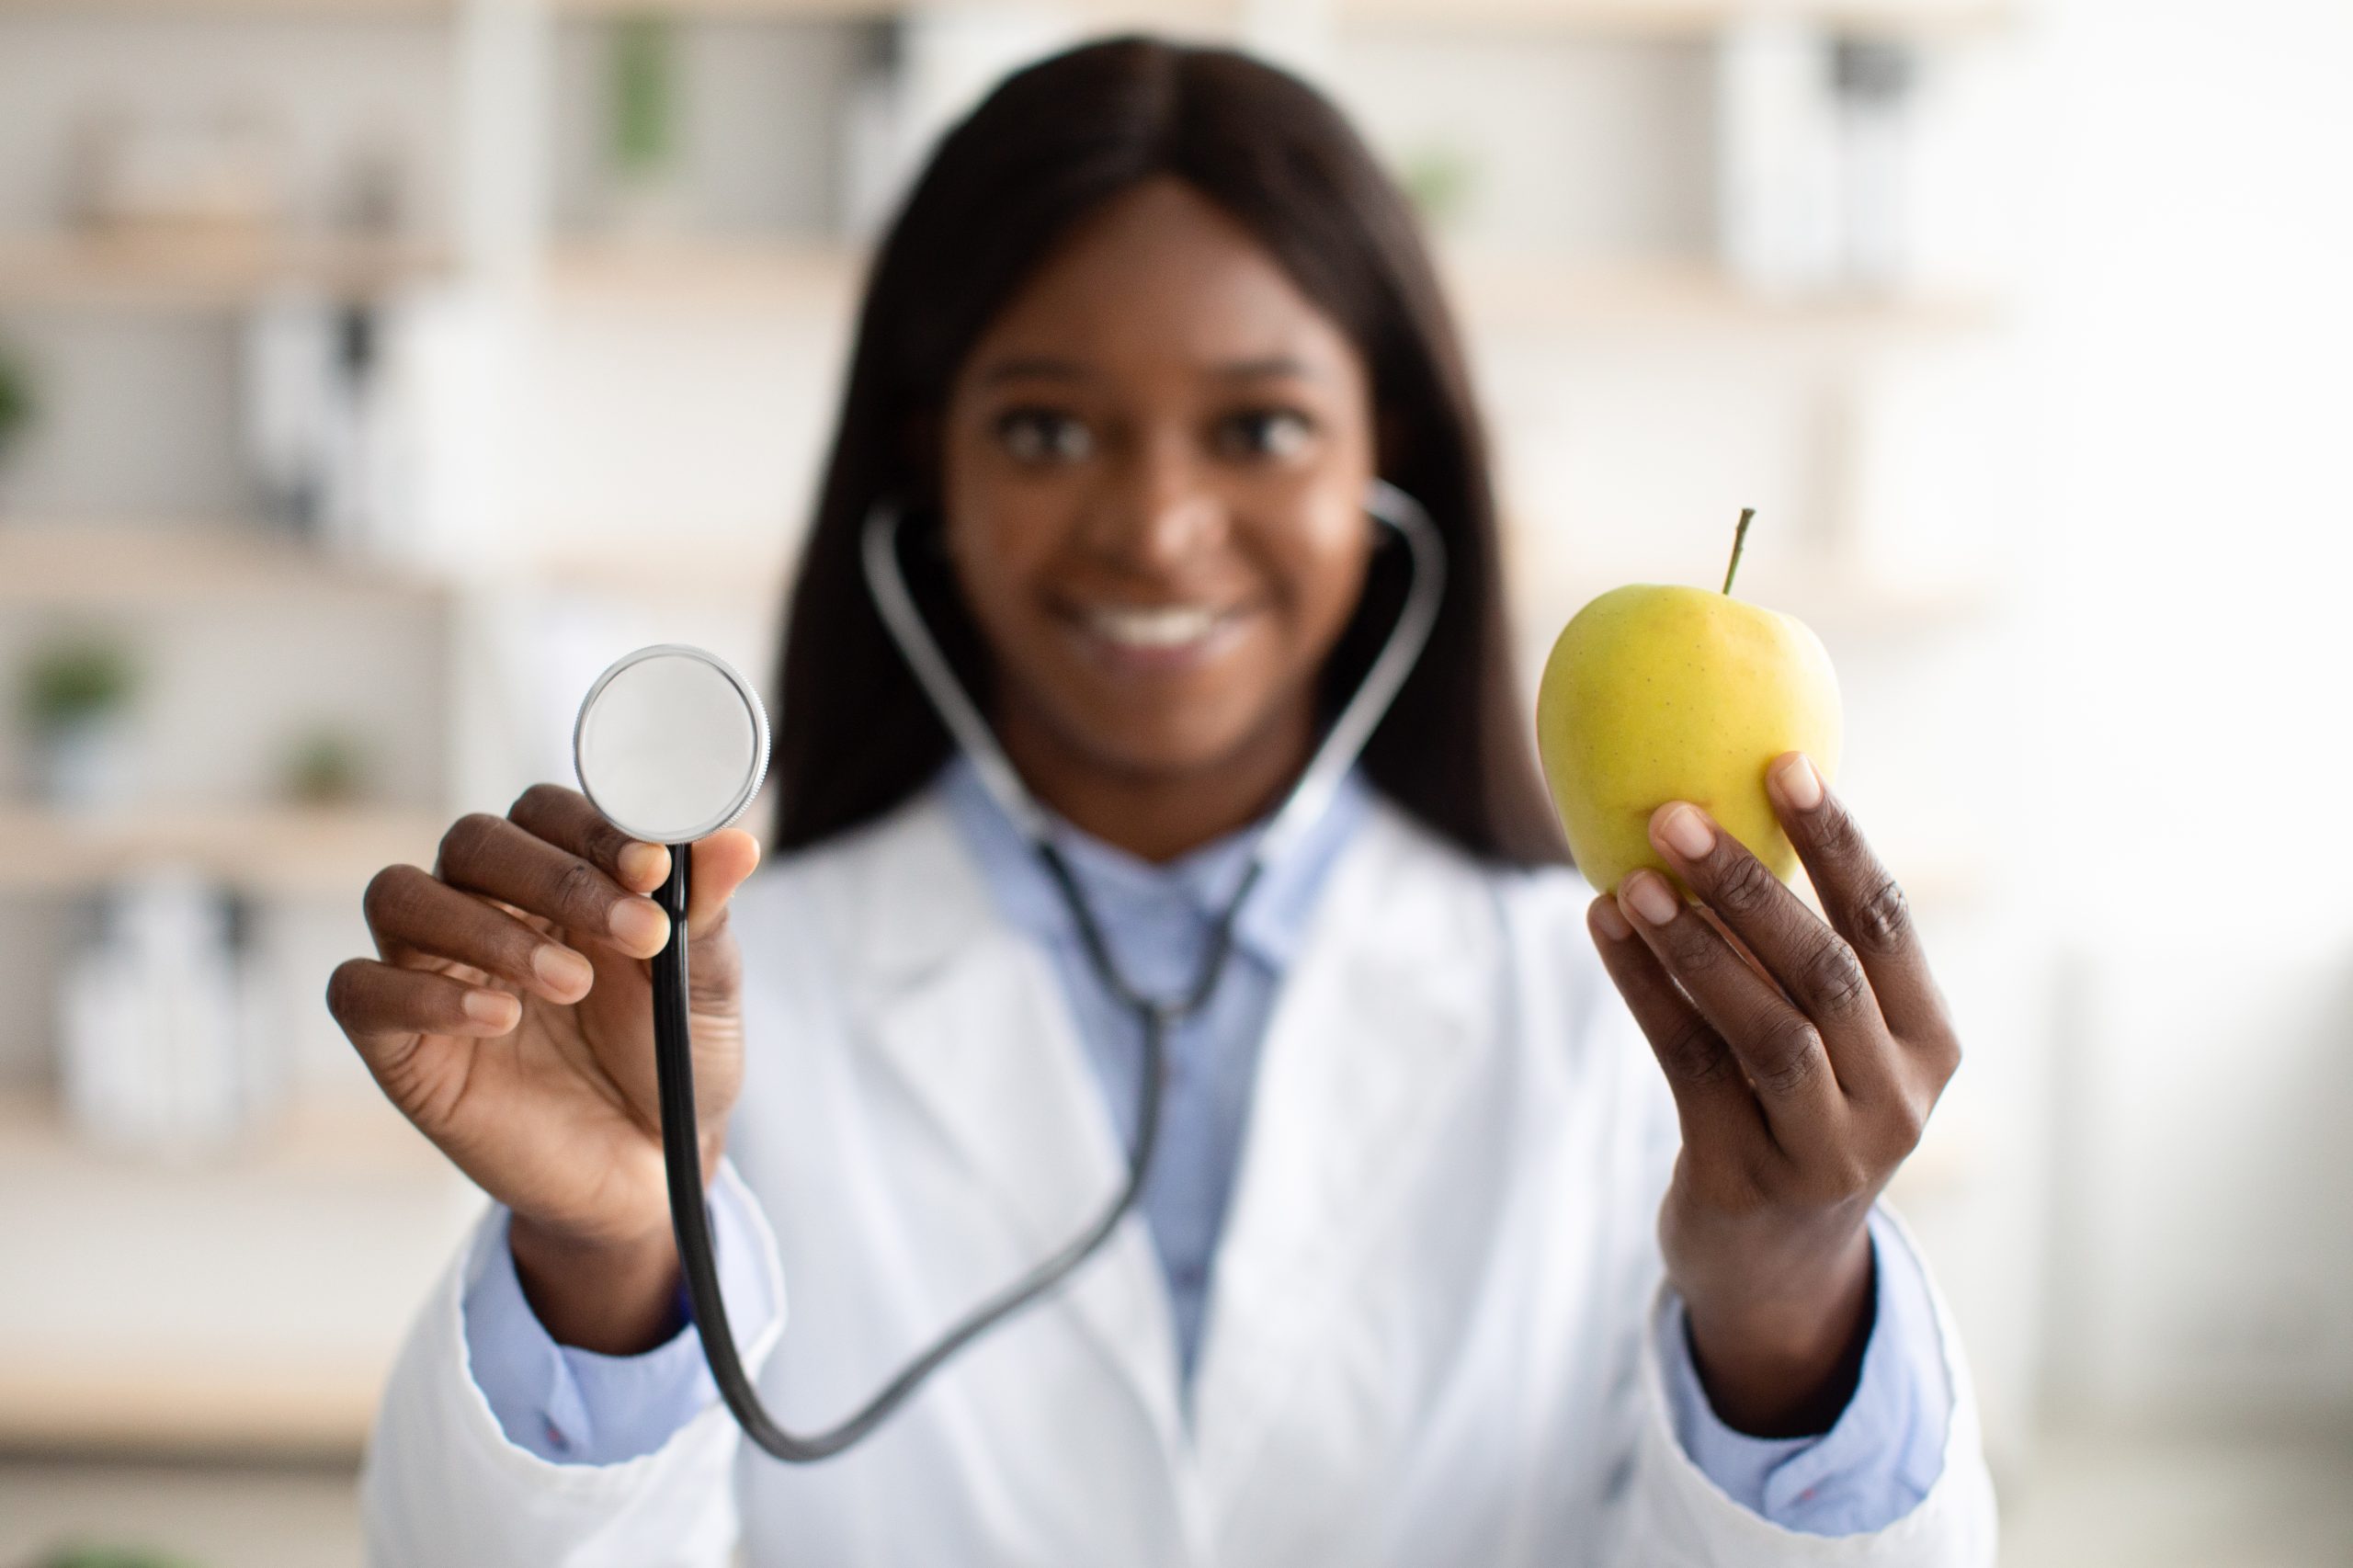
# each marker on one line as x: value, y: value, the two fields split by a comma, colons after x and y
x: 410, y: 911
x: 1713, y: 1100
x: 566, y: 819
x: 502, y: 859
x: 389, y: 1012
x: 1805, y: 958
x: 1862, y: 900
x: 722, y: 862
x: 1778, y: 1047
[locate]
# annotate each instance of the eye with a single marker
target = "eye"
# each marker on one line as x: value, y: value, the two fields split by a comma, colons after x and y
x: 1265, y: 433
x: 1043, y: 436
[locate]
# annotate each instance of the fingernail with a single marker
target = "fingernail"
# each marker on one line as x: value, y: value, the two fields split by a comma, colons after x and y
x: 642, y: 863
x: 563, y: 969
x: 1688, y: 831
x: 489, y: 1006
x: 640, y: 923
x: 1801, y: 784
x: 1613, y: 925
x: 1648, y: 894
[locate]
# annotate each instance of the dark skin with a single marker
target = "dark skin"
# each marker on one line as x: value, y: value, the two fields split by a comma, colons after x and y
x: 1153, y: 465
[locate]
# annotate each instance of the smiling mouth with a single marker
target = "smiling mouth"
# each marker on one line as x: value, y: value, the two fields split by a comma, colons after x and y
x: 1151, y: 631
x: 1159, y: 638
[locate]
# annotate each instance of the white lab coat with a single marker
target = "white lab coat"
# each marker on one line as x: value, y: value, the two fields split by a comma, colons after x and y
x: 1431, y: 1337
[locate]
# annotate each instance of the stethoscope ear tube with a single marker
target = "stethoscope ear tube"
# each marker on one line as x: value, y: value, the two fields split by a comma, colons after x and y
x: 672, y: 1024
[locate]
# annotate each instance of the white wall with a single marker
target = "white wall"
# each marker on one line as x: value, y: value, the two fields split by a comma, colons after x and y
x: 2194, y: 320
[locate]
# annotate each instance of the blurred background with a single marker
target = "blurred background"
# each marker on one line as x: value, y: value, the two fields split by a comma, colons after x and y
x: 373, y: 371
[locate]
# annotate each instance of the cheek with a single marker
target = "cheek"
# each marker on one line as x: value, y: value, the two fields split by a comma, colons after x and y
x: 997, y: 556
x: 1325, y: 565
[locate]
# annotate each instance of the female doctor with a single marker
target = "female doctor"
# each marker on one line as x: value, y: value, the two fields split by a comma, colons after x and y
x: 1419, y: 1275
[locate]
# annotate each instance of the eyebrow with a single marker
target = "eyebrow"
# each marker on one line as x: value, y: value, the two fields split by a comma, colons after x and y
x: 1272, y: 366
x: 1036, y: 367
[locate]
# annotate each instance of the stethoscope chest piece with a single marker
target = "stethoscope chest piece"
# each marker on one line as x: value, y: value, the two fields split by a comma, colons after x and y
x: 671, y: 744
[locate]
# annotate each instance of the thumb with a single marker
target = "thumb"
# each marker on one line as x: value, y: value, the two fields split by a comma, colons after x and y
x: 714, y: 965
x: 722, y: 862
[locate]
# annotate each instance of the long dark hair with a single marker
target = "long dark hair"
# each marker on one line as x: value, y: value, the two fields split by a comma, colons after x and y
x: 1053, y: 142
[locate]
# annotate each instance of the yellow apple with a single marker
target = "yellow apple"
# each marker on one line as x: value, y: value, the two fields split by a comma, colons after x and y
x: 1656, y: 692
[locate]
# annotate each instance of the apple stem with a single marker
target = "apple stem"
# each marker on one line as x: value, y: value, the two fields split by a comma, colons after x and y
x: 1739, y: 538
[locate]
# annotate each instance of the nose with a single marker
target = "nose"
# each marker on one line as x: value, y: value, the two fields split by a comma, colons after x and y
x: 1156, y: 509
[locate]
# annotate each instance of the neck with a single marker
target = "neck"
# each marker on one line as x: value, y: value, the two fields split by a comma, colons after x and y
x: 1157, y: 815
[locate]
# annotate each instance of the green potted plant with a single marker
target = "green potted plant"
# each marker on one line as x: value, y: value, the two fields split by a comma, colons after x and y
x: 642, y: 138
x: 76, y: 696
x: 325, y: 764
x: 17, y: 405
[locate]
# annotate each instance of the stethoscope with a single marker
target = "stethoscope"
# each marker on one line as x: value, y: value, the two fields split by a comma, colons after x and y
x: 672, y: 744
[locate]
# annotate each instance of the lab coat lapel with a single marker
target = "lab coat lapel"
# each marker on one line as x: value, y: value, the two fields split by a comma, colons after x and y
x: 1375, y: 1027
x: 969, y: 1018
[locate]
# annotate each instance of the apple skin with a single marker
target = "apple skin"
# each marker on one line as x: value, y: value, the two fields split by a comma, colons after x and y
x: 1657, y: 692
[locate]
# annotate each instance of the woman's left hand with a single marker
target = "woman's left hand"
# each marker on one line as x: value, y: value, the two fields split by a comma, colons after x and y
x: 1803, y: 1071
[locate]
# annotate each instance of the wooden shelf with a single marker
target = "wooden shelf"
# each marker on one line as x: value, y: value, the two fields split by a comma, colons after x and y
x: 808, y: 276
x: 309, y: 1138
x: 182, y: 1369
x: 270, y: 849
x: 1496, y: 290
x: 199, y: 270
x: 133, y: 565
x: 135, y: 1402
x: 1518, y: 292
x: 1608, y: 18
x: 1189, y: 15
x: 1690, y: 18
x: 323, y: 9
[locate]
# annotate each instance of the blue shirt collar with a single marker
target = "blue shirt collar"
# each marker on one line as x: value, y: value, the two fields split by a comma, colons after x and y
x: 1127, y: 891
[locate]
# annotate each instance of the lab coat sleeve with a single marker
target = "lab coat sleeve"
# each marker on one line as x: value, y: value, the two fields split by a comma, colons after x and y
x: 574, y: 1406
x: 442, y: 1484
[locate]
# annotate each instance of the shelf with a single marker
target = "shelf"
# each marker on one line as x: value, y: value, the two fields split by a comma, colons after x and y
x: 311, y: 1140
x: 1497, y: 289
x: 1837, y: 597
x: 1690, y: 18
x: 244, y: 1302
x: 1187, y: 14
x: 129, y: 565
x: 268, y: 850
x: 1608, y: 18
x: 133, y: 1403
x: 802, y: 276
x: 328, y: 10
x: 1518, y: 292
x: 199, y: 270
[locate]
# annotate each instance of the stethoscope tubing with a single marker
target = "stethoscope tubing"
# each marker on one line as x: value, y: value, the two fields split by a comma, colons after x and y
x: 673, y: 1030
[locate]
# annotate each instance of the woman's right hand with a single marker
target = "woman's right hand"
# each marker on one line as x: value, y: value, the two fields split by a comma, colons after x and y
x: 509, y: 1016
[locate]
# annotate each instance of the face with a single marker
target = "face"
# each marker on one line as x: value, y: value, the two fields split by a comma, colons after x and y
x: 1154, y: 469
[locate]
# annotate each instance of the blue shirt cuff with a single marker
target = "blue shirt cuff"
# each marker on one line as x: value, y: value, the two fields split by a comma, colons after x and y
x: 1882, y: 1455
x: 574, y: 1407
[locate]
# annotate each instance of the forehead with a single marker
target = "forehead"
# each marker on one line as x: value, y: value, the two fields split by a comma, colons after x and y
x: 1161, y: 279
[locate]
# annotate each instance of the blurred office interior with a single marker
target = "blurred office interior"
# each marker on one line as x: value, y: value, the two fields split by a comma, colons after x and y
x: 373, y: 371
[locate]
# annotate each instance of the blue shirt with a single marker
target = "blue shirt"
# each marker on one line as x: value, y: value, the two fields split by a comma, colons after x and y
x: 563, y: 1404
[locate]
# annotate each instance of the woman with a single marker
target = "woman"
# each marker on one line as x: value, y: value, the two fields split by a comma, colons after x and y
x: 1143, y: 338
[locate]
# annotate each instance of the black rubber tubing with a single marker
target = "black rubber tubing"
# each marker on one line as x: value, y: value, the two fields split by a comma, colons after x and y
x: 689, y: 1211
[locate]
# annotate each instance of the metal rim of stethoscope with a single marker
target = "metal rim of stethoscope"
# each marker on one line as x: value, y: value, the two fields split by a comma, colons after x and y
x: 738, y: 802
x: 674, y: 1069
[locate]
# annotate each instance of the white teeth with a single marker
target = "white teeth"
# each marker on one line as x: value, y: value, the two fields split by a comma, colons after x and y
x: 1170, y: 627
